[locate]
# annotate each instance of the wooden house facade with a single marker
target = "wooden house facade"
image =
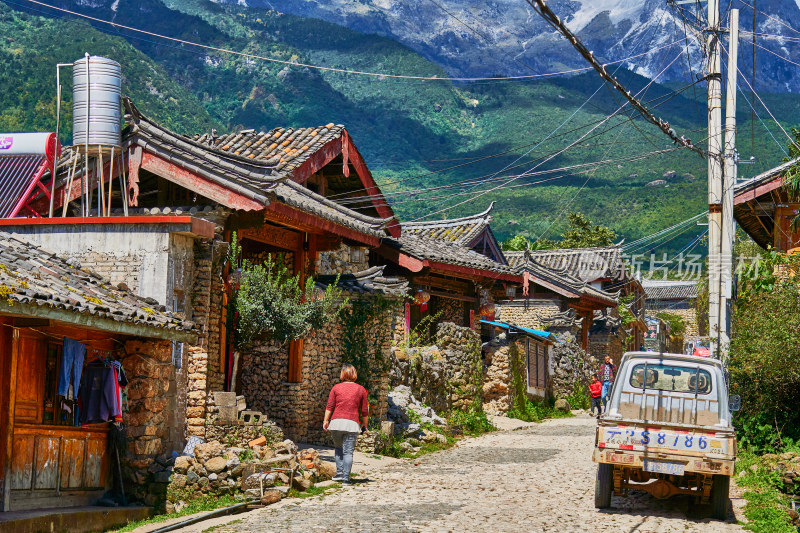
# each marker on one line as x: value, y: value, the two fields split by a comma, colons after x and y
x: 50, y: 454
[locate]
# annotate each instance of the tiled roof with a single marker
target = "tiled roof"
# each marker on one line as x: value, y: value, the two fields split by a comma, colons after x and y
x: 583, y: 263
x: 446, y: 252
x: 669, y: 289
x: 258, y: 178
x: 559, y: 280
x: 32, y: 275
x: 456, y: 230
x: 282, y: 149
x: 371, y: 280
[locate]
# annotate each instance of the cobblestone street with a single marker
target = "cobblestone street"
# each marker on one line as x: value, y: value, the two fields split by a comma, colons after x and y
x: 538, y: 478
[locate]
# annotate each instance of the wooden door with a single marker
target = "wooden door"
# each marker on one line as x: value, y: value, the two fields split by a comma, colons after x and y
x: 30, y: 377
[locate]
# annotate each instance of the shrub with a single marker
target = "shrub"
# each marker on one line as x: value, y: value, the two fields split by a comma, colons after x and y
x: 473, y: 421
x: 765, y: 355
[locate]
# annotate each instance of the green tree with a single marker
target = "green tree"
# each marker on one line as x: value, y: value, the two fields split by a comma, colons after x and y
x: 581, y: 233
x: 792, y: 182
x: 267, y: 300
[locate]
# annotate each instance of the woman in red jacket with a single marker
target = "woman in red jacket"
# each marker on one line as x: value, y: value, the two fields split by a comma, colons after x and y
x: 344, y: 402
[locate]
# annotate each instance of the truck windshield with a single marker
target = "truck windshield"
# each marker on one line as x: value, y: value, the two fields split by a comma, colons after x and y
x: 673, y: 378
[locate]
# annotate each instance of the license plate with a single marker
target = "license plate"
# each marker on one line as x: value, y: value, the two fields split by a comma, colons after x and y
x: 656, y: 438
x: 663, y: 467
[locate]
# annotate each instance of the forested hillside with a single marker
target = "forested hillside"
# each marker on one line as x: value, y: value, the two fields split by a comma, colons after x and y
x: 415, y: 135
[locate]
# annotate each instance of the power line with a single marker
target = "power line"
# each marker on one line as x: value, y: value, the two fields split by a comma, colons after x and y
x: 542, y: 8
x: 379, y: 75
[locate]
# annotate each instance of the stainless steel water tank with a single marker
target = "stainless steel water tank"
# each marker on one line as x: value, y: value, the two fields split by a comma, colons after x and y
x: 96, y: 89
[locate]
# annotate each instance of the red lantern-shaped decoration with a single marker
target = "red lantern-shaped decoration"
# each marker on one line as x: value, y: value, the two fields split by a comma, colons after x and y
x: 487, y: 310
x: 422, y: 297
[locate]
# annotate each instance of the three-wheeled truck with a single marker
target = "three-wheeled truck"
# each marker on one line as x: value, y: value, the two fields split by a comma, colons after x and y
x: 667, y: 430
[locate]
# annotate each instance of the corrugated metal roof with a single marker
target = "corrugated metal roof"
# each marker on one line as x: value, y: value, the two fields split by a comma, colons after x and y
x: 17, y: 175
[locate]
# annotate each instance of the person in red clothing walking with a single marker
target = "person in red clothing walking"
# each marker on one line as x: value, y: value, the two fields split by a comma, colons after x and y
x: 595, y: 391
x: 345, y: 401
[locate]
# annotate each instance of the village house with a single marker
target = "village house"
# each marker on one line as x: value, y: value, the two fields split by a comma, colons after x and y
x: 676, y: 297
x: 764, y: 210
x: 55, y: 315
x: 600, y: 276
x: 269, y: 188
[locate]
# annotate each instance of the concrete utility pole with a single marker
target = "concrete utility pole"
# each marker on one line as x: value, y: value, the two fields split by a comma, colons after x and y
x: 714, y: 172
x: 729, y: 182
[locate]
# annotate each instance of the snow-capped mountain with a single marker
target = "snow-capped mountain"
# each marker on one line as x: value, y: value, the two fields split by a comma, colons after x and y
x: 506, y: 37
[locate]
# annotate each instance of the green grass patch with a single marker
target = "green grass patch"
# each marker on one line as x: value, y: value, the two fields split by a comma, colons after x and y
x: 766, y: 508
x: 214, y: 528
x: 312, y: 491
x: 194, y: 507
x: 536, y: 412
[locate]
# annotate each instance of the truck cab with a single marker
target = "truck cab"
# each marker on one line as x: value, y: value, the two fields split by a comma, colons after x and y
x: 667, y: 430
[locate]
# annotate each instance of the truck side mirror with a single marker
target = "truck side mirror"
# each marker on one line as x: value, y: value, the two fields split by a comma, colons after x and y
x: 734, y: 402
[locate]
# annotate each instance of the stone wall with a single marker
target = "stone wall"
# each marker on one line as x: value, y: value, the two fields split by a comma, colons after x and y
x: 451, y: 310
x: 571, y: 365
x: 448, y: 375
x: 528, y: 313
x: 501, y: 359
x: 345, y: 260
x: 684, y: 309
x: 153, y: 430
x: 299, y: 408
x: 607, y: 343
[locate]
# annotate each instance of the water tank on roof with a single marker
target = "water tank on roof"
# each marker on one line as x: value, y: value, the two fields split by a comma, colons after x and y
x: 96, y: 89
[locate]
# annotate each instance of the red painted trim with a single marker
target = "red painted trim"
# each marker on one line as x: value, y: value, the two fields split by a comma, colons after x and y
x: 328, y: 153
x: 205, y: 187
x: 372, y: 189
x: 200, y: 227
x: 758, y: 191
x: 406, y: 261
x: 474, y: 271
x: 320, y: 223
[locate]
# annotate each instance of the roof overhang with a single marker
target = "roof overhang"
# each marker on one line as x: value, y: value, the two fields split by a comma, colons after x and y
x: 94, y: 322
x: 183, y: 225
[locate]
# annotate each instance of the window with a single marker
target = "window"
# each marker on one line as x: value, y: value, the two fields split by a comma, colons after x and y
x: 672, y: 378
x: 537, y: 364
x: 357, y: 255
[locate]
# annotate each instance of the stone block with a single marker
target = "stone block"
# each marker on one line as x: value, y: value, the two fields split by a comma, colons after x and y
x: 216, y: 464
x: 251, y: 417
x: 270, y: 497
x: 147, y: 447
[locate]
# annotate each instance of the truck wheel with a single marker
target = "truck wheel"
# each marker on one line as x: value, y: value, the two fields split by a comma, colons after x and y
x: 604, y: 486
x: 719, y: 497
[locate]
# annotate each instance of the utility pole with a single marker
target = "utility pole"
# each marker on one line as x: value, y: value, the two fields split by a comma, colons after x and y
x: 714, y: 173
x: 729, y: 182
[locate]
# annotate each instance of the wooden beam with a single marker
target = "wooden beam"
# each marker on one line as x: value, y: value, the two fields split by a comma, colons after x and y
x: 758, y: 191
x: 451, y: 296
x: 273, y: 236
x: 194, y: 182
x: 319, y: 223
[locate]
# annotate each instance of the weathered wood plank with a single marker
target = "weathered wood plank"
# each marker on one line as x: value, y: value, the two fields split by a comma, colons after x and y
x: 46, y: 463
x: 22, y: 462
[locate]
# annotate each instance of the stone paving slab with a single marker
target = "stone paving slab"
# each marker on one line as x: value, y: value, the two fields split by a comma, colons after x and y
x: 539, y: 478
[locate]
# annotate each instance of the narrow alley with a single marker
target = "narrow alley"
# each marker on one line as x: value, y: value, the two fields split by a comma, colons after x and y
x: 536, y: 478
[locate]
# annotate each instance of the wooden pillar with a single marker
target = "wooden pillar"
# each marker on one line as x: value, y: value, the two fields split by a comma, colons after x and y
x: 585, y: 325
x: 295, y: 371
x: 9, y: 426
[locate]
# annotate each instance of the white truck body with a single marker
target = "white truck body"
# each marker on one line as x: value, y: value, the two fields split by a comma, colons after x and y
x: 669, y: 433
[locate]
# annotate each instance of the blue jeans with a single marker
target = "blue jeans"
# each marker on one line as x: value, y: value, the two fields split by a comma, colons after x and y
x: 72, y: 357
x: 605, y: 393
x: 344, y: 443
